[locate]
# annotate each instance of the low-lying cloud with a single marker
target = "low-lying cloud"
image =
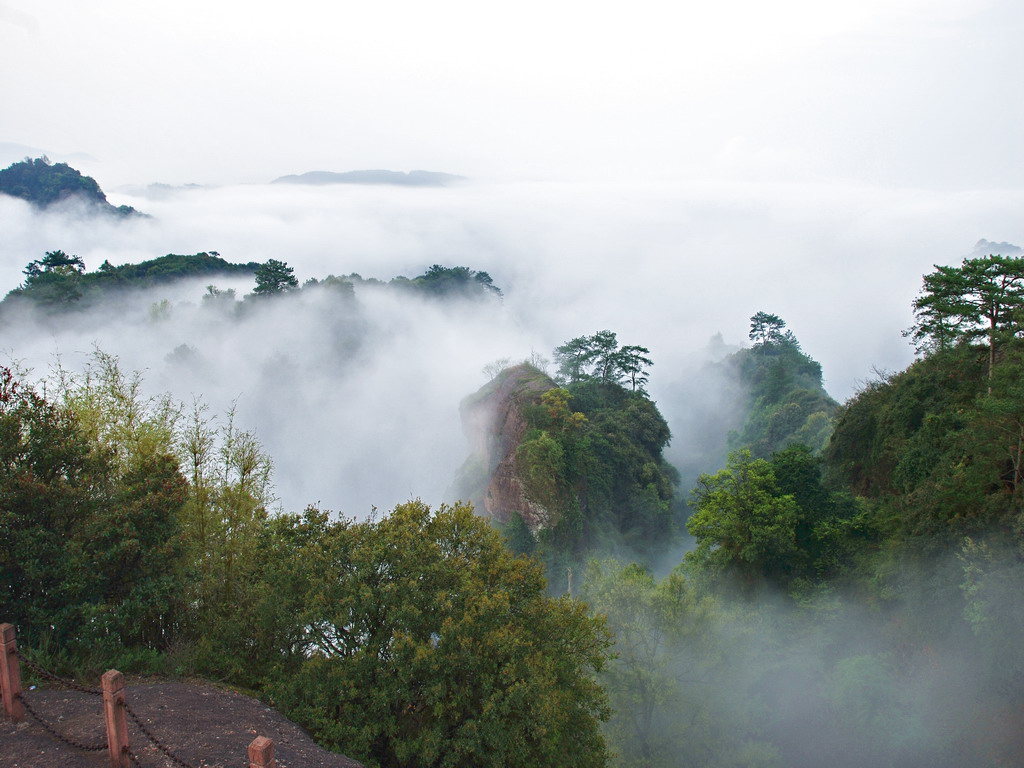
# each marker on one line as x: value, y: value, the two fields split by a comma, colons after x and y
x: 358, y: 405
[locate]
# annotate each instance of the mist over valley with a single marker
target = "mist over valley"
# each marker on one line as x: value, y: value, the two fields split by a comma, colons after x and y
x: 359, y: 407
x: 674, y: 417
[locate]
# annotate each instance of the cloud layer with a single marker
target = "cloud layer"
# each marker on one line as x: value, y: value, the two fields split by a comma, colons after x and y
x: 358, y: 405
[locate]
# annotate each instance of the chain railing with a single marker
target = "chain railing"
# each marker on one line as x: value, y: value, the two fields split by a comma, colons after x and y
x: 156, y: 742
x: 62, y: 681
x: 260, y: 752
x: 49, y: 728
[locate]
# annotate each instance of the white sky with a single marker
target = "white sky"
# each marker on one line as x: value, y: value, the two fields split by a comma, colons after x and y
x: 892, y: 92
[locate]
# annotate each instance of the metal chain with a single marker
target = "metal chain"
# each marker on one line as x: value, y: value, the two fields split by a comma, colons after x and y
x: 60, y: 680
x: 92, y: 692
x: 159, y: 745
x: 53, y: 731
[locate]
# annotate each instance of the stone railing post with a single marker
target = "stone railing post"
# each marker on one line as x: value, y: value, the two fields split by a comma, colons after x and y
x: 10, y: 675
x: 261, y: 753
x: 115, y: 719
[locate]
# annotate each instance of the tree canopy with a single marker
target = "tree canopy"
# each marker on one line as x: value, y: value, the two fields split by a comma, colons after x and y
x: 274, y: 277
x: 766, y: 328
x: 427, y: 643
x: 600, y: 358
x: 983, y: 298
x: 443, y: 281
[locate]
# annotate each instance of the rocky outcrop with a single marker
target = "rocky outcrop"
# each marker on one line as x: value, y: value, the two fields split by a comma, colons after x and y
x: 494, y: 424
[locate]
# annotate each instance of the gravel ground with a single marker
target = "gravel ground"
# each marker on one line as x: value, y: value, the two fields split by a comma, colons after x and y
x: 204, y: 726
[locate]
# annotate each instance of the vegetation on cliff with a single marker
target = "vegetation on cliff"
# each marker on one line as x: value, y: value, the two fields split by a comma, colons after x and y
x: 584, y: 473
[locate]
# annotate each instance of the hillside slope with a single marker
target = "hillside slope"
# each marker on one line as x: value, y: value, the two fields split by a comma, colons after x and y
x: 44, y: 184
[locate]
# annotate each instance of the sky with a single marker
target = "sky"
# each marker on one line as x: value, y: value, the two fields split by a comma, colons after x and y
x: 663, y: 171
x: 906, y: 93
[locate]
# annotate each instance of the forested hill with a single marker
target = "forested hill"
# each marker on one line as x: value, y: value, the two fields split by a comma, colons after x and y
x: 763, y: 398
x: 784, y: 401
x: 43, y: 184
x: 59, y: 282
x: 571, y: 466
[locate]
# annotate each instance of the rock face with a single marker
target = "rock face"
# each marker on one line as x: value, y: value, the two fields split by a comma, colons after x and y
x: 494, y: 424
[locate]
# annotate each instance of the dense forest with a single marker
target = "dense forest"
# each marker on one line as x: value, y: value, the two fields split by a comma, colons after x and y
x: 842, y: 590
x: 59, y: 282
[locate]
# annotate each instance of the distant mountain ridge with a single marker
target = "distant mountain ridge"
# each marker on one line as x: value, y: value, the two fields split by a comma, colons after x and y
x: 398, y: 178
x: 43, y: 184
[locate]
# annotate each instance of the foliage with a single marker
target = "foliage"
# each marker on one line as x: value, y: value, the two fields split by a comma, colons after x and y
x: 90, y: 545
x: 174, y: 267
x: 938, y: 449
x: 772, y: 522
x: 591, y: 458
x: 982, y: 298
x: 43, y: 183
x: 55, y: 280
x: 428, y: 644
x: 742, y: 523
x: 55, y: 262
x: 59, y: 281
x: 273, y: 277
x: 766, y: 329
x: 452, y: 281
x: 665, y: 679
x: 785, y: 402
x: 599, y: 358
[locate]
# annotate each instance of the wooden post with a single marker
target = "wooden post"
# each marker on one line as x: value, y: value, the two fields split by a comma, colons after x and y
x: 115, y: 719
x: 10, y: 675
x: 261, y: 753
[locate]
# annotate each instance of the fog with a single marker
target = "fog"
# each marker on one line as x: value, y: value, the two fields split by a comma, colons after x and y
x: 358, y: 405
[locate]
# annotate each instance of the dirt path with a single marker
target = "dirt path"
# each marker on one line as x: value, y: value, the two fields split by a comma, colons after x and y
x: 204, y: 726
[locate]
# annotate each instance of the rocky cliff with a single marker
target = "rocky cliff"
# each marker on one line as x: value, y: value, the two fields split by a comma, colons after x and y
x: 494, y: 424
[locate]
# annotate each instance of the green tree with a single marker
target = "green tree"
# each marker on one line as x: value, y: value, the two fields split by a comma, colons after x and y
x: 54, y: 280
x: 427, y: 643
x: 743, y: 525
x: 55, y: 261
x: 572, y: 359
x: 631, y: 361
x: 785, y: 402
x: 982, y: 298
x: 224, y: 519
x: 603, y: 357
x: 90, y: 545
x: 766, y: 329
x: 273, y: 277
x: 598, y: 357
x: 451, y: 281
x: 672, y: 682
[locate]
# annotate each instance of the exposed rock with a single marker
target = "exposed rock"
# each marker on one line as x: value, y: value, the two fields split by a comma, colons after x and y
x: 494, y: 424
